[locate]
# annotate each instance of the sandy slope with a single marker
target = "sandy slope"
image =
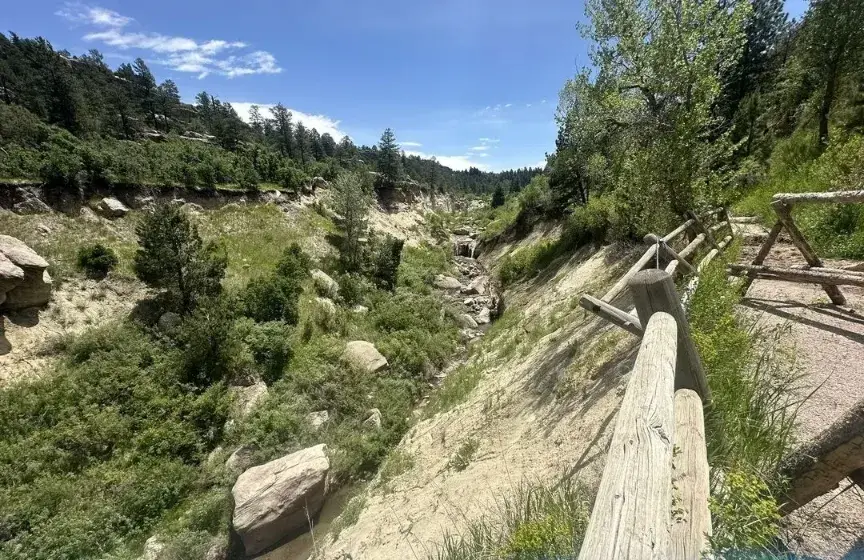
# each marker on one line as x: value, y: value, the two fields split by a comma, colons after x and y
x: 544, y: 409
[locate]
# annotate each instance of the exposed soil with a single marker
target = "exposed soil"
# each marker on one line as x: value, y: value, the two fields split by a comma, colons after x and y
x: 829, y: 350
x: 551, y: 383
x: 26, y: 349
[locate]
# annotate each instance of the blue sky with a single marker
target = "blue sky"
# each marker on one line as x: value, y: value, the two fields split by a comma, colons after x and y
x: 472, y: 82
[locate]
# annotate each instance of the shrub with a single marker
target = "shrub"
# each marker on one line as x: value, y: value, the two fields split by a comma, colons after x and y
x: 275, y: 297
x: 212, y: 349
x: 291, y: 178
x: 171, y: 255
x: 270, y: 346
x: 353, y: 288
x: 96, y: 260
x: 272, y: 298
x: 385, y: 265
x: 498, y: 197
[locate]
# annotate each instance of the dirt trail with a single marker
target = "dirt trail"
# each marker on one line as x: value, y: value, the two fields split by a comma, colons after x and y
x: 829, y: 350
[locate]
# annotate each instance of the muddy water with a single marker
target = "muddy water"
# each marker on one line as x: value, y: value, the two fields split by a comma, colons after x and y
x: 303, y: 546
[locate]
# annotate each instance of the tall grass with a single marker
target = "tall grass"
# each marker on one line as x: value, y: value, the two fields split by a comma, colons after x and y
x: 537, y: 523
x: 750, y: 420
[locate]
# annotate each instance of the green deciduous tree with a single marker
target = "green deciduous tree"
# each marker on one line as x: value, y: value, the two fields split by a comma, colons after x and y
x: 831, y: 48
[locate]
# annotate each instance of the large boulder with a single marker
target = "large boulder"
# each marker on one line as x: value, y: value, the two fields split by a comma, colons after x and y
x: 478, y: 286
x: 364, y: 356
x: 247, y: 398
x: 10, y: 274
x: 325, y: 285
x: 35, y: 291
x: 483, y: 318
x: 446, y: 282
x: 319, y: 183
x: 111, y: 208
x: 274, y: 501
x: 241, y: 459
x: 19, y: 253
x: 24, y: 276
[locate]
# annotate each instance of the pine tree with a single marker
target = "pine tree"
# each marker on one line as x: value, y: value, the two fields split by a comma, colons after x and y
x: 389, y: 157
x: 301, y: 142
x: 498, y: 196
x: 283, y: 129
x: 173, y: 256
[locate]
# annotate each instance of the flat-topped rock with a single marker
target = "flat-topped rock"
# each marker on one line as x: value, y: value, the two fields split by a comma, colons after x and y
x: 20, y: 253
x: 445, y: 282
x: 10, y: 274
x: 111, y: 208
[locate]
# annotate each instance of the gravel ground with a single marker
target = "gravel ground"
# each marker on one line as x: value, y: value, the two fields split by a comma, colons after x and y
x: 829, y: 349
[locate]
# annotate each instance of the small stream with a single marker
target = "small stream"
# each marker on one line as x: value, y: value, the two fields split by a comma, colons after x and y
x: 303, y: 546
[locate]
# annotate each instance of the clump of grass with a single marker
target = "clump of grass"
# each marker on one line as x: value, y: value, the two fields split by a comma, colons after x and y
x: 349, y: 516
x: 398, y: 462
x: 537, y: 522
x: 455, y: 389
x: 463, y: 456
x: 751, y: 418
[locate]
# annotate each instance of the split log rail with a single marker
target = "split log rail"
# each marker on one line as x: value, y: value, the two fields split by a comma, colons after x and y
x: 658, y: 456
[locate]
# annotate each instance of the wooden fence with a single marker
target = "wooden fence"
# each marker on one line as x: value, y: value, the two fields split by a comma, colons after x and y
x: 816, y: 272
x: 658, y: 455
x: 653, y: 497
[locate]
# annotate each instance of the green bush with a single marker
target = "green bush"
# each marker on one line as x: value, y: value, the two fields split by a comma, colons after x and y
x: 96, y: 260
x: 387, y: 254
x: 275, y: 297
x: 99, y: 451
x: 212, y: 349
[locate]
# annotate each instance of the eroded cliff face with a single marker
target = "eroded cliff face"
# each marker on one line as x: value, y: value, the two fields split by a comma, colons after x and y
x: 533, y: 403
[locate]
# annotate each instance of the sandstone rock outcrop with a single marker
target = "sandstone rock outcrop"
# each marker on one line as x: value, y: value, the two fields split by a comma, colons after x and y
x: 24, y: 278
x: 274, y: 501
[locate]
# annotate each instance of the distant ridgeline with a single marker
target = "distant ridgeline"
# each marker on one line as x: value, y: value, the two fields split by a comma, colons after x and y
x: 71, y: 120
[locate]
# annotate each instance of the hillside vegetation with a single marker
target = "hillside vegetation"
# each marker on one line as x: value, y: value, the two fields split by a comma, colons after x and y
x: 687, y: 105
x: 72, y: 121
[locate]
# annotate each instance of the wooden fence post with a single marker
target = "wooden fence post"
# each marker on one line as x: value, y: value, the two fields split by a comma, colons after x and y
x: 762, y: 254
x: 631, y: 516
x: 691, y: 519
x: 653, y: 291
x: 785, y: 215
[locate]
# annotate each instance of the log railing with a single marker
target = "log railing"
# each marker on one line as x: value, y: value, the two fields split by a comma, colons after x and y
x: 700, y: 228
x: 816, y: 273
x: 658, y: 456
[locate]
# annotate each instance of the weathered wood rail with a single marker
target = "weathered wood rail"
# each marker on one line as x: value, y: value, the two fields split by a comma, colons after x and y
x: 658, y: 454
x: 816, y: 273
x: 699, y: 229
x: 653, y: 497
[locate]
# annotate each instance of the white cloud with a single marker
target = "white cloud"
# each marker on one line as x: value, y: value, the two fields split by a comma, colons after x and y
x: 457, y: 163
x: 321, y: 123
x: 483, y: 155
x: 528, y: 105
x: 410, y: 144
x: 178, y: 53
x: 508, y: 105
x: 543, y: 102
x: 481, y: 148
x: 489, y: 140
x: 93, y: 15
